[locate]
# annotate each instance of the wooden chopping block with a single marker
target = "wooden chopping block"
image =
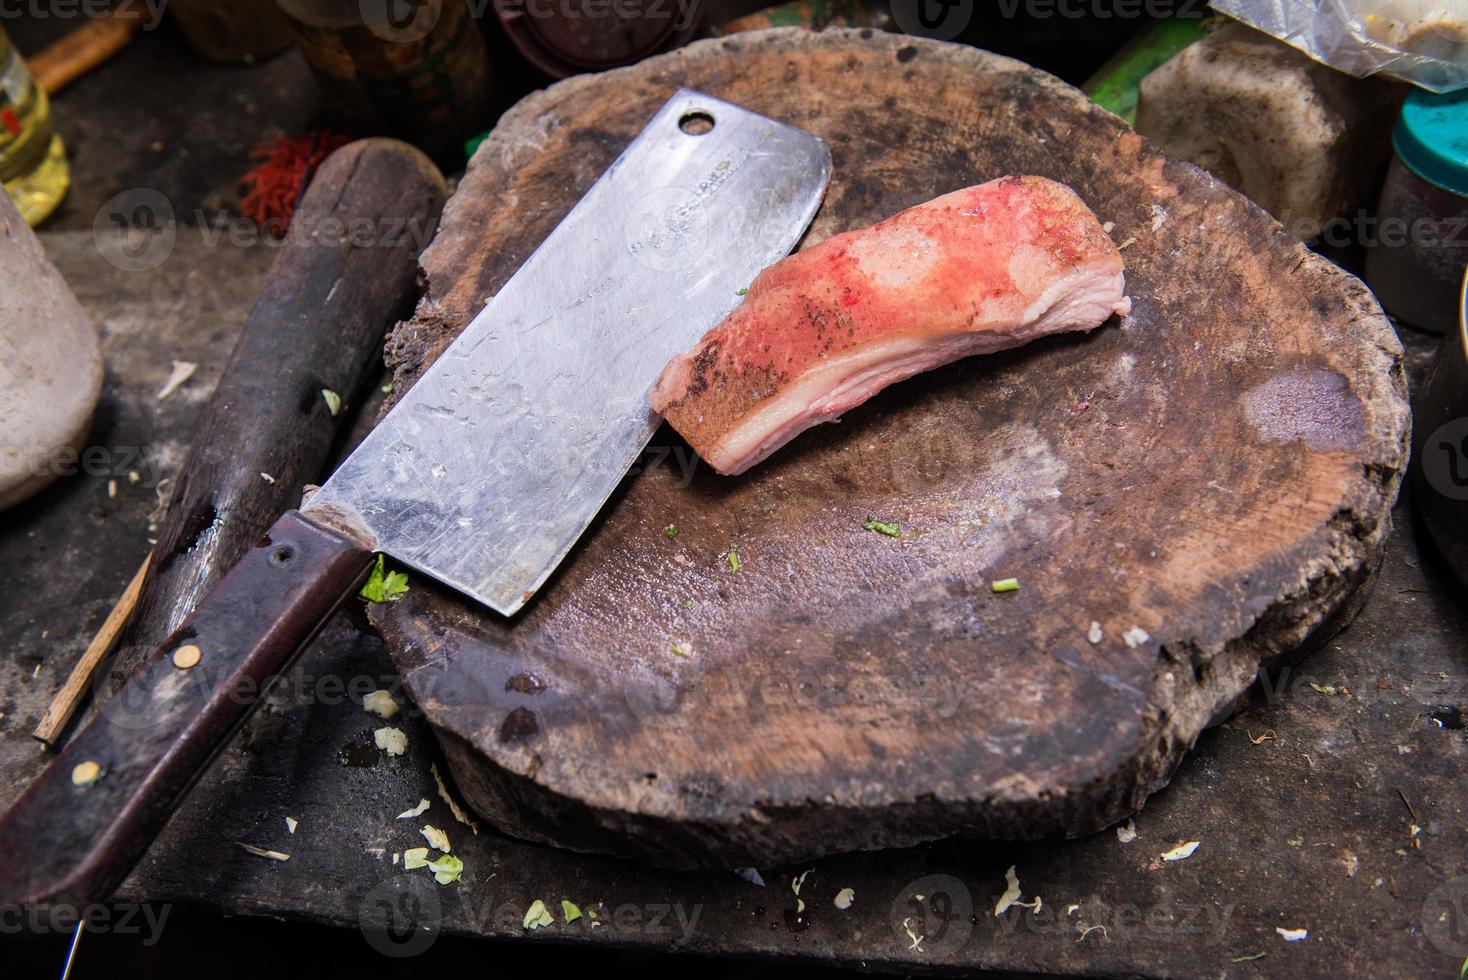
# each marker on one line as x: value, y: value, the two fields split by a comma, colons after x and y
x: 1207, y: 482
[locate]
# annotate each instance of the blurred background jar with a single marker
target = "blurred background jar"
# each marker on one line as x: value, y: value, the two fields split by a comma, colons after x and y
x: 1419, y: 250
x: 232, y: 31
x: 567, y: 37
x: 417, y: 70
x: 32, y: 158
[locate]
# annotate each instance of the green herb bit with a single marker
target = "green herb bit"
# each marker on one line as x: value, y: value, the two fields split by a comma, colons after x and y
x: 1249, y: 958
x: 384, y: 586
x: 1005, y: 585
x: 891, y: 529
x: 670, y: 531
x: 569, y: 911
x: 333, y: 401
x: 742, y: 292
x: 447, y: 869
x: 537, y: 916
x: 733, y: 561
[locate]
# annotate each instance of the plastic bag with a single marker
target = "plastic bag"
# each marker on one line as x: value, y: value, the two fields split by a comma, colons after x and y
x: 1420, y: 41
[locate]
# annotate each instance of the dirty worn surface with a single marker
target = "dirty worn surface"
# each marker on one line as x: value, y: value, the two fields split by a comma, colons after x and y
x: 1278, y: 821
x: 1208, y: 480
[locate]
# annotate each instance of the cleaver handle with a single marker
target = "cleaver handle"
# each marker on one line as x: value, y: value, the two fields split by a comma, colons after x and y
x: 71, y: 840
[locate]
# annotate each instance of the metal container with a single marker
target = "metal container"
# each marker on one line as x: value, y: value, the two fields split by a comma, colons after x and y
x: 1440, y: 446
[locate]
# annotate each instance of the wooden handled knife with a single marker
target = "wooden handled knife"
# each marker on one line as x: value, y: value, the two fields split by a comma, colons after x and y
x: 483, y: 476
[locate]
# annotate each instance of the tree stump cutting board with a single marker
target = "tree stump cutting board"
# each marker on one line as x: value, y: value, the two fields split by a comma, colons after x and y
x: 1207, y: 479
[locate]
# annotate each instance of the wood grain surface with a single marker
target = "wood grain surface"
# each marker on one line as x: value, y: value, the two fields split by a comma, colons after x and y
x: 1212, y: 476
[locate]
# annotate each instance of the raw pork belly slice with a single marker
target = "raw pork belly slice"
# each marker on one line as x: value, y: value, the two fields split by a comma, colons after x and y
x: 978, y: 270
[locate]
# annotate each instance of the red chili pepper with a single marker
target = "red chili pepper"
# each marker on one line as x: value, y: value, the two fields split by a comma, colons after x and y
x: 283, y: 168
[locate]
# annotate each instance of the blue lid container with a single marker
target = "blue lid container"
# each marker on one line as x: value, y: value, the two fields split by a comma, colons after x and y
x: 1431, y: 138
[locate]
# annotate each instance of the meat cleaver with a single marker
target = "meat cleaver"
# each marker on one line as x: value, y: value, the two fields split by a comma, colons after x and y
x: 483, y: 476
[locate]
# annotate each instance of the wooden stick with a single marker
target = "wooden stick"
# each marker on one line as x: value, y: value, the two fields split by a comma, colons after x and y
x: 85, y: 48
x: 64, y: 705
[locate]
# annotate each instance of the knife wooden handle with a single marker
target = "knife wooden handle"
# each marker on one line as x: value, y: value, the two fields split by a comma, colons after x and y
x: 72, y: 839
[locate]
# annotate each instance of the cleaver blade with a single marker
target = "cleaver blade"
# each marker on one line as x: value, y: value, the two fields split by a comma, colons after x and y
x: 491, y: 467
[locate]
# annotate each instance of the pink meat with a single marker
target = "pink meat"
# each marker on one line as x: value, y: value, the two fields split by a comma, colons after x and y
x: 971, y: 272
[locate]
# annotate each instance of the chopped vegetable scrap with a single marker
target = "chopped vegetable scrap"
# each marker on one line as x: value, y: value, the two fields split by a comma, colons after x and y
x: 381, y: 704
x: 415, y: 858
x: 333, y: 401
x: 384, y: 586
x: 1005, y: 585
x: 890, y: 528
x: 393, y: 741
x: 537, y: 916
x: 844, y: 898
x: 1292, y: 935
x: 1094, y: 634
x: 1135, y: 637
x: 1011, y: 896
x: 436, y: 838
x: 1182, y: 852
x: 750, y: 875
x: 569, y: 911
x: 447, y: 869
x: 181, y: 373
x: 670, y: 531
x: 423, y: 805
x: 1127, y: 832
x: 85, y: 773
x: 263, y: 853
x: 733, y: 557
x: 291, y: 824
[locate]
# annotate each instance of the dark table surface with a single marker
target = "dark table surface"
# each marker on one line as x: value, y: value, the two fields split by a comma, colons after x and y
x: 1333, y: 803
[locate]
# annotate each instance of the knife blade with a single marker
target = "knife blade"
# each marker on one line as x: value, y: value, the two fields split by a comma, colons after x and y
x: 483, y: 476
x: 495, y: 462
